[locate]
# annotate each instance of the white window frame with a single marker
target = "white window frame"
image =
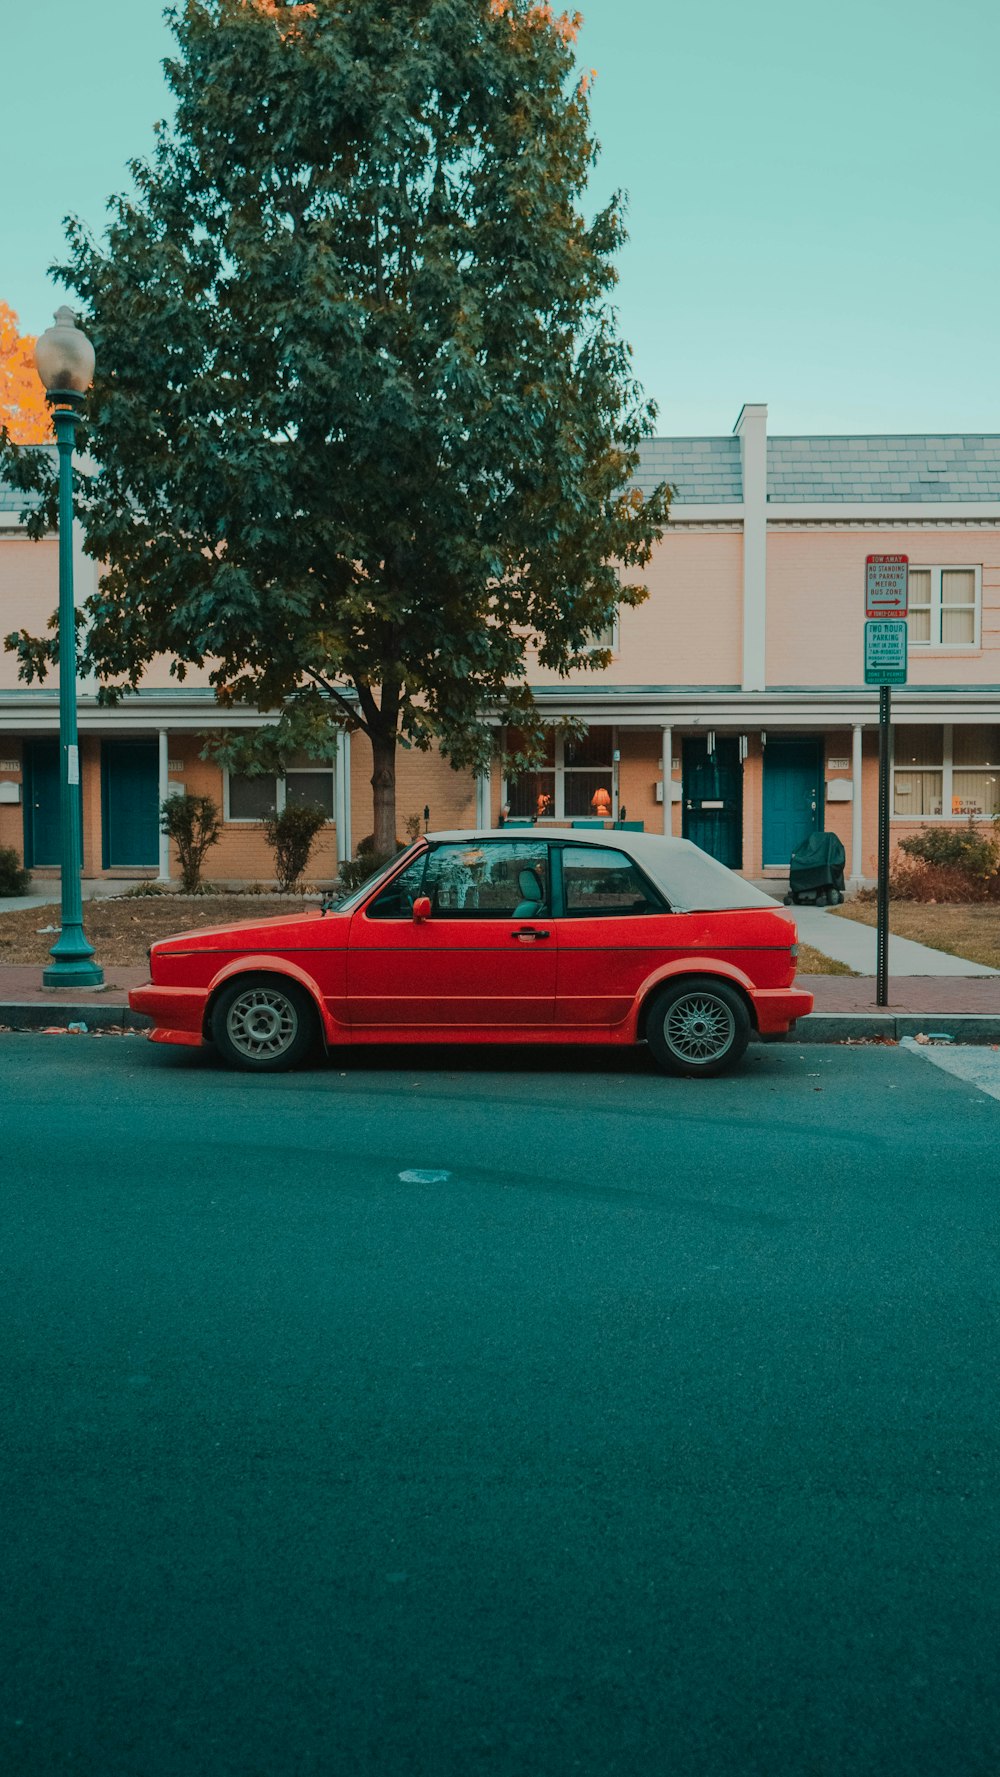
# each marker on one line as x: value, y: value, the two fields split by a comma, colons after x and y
x: 280, y: 782
x: 559, y: 768
x: 935, y: 644
x: 946, y: 817
x: 615, y: 643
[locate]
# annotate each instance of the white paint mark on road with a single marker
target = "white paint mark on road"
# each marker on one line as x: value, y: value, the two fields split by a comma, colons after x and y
x: 425, y: 1178
x: 979, y: 1067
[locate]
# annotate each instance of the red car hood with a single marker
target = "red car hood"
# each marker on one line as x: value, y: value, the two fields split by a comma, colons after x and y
x: 289, y: 931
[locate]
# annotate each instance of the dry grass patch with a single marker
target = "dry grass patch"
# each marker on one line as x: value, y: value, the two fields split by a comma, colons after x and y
x: 122, y: 929
x: 971, y: 931
x: 813, y: 962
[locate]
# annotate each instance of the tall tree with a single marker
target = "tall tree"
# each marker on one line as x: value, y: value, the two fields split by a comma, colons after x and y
x: 24, y: 415
x: 363, y: 424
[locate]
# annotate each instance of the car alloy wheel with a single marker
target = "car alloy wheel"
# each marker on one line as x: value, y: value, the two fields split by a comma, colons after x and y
x: 698, y: 1027
x: 264, y: 1024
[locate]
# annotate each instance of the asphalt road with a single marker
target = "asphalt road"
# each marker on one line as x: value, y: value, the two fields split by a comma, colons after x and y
x: 658, y: 1435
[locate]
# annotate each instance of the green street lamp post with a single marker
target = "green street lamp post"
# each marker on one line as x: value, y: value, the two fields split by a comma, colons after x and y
x: 65, y: 361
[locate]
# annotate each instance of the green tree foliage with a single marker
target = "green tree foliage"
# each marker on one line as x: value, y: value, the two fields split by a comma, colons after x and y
x: 290, y: 835
x: 363, y: 425
x: 194, y: 824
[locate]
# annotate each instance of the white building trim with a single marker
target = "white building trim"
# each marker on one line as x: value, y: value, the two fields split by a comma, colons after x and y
x: 751, y: 430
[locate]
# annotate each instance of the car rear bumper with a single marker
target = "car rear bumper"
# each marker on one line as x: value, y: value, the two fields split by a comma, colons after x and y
x: 778, y: 1007
x: 177, y: 1012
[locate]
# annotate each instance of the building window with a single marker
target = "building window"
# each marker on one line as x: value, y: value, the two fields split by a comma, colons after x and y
x: 975, y: 783
x: 944, y: 607
x: 951, y: 772
x: 532, y: 796
x: 250, y: 798
x: 305, y: 780
x: 574, y: 782
x: 918, y: 775
x: 608, y: 636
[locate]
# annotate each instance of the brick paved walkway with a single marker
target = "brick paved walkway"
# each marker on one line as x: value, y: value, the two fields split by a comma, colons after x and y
x: 21, y: 984
x: 960, y: 994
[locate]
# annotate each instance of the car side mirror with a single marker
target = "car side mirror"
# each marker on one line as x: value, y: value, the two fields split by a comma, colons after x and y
x: 422, y: 908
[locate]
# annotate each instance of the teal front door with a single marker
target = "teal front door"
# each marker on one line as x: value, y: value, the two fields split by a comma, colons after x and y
x: 712, y: 807
x: 130, y: 801
x: 41, y: 804
x: 793, y: 796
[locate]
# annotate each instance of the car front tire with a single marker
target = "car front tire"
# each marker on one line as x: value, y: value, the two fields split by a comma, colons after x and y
x: 264, y: 1024
x: 698, y: 1027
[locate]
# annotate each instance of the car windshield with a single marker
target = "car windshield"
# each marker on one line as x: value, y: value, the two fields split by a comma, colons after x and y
x: 347, y: 903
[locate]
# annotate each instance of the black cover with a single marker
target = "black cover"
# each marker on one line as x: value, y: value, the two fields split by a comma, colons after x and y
x: 816, y: 871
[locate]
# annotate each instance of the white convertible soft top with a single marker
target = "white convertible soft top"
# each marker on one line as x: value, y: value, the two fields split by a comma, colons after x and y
x: 691, y: 881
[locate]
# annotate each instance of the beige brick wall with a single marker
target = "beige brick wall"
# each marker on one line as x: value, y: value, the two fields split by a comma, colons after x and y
x: 12, y: 813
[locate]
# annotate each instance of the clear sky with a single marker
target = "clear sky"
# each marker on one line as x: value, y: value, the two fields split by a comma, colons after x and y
x: 814, y: 201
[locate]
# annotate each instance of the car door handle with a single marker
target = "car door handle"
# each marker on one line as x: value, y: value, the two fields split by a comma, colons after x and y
x: 529, y: 932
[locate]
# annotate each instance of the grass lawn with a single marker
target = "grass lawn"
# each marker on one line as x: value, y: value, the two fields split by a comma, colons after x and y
x: 972, y: 932
x: 122, y: 929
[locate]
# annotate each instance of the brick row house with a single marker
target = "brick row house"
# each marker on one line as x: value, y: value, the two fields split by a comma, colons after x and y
x: 733, y: 711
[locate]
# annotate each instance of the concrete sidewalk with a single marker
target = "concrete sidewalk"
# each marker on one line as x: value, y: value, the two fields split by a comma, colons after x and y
x: 847, y: 941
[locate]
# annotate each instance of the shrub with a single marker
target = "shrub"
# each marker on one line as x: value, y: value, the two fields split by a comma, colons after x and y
x: 913, y: 880
x: 354, y: 871
x: 290, y: 835
x: 194, y: 824
x: 963, y: 849
x: 142, y: 890
x: 14, y: 879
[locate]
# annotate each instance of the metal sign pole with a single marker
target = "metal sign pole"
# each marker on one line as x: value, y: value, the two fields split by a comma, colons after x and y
x: 887, y: 598
x: 882, y: 910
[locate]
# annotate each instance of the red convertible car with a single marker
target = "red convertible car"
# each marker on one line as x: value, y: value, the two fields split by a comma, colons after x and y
x: 549, y: 937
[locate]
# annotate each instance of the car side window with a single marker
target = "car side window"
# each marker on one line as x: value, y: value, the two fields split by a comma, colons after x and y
x: 397, y: 898
x: 489, y: 879
x: 600, y: 881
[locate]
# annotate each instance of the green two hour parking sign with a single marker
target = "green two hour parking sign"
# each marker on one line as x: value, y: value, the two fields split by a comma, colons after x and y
x: 885, y: 651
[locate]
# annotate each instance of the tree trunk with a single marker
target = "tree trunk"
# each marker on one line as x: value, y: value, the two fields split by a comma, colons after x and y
x: 384, y: 793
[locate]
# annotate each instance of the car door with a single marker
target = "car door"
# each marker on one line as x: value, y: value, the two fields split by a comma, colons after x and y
x: 485, y: 958
x: 614, y: 927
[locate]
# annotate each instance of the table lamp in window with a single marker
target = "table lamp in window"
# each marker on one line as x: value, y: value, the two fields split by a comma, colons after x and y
x: 600, y: 802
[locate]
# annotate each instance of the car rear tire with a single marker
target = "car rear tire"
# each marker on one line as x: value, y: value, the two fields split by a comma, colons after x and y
x: 698, y: 1027
x: 264, y: 1024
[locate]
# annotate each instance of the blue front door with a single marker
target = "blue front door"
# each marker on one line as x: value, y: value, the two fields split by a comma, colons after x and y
x: 793, y: 796
x: 131, y: 805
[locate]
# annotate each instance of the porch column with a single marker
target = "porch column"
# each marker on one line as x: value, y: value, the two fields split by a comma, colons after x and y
x: 163, y: 791
x: 484, y: 797
x: 857, y: 809
x: 667, y: 767
x: 345, y: 849
x: 338, y: 796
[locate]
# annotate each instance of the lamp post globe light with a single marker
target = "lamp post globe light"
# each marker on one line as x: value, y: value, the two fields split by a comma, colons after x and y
x: 64, y: 358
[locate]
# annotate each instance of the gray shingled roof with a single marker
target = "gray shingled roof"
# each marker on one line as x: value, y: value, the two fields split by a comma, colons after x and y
x: 922, y: 467
x: 705, y: 471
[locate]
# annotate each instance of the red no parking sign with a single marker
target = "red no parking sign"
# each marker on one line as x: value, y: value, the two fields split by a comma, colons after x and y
x: 886, y: 585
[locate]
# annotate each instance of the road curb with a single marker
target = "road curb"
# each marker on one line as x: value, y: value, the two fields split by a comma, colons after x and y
x: 843, y: 1027
x: 819, y: 1027
x: 35, y: 1015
